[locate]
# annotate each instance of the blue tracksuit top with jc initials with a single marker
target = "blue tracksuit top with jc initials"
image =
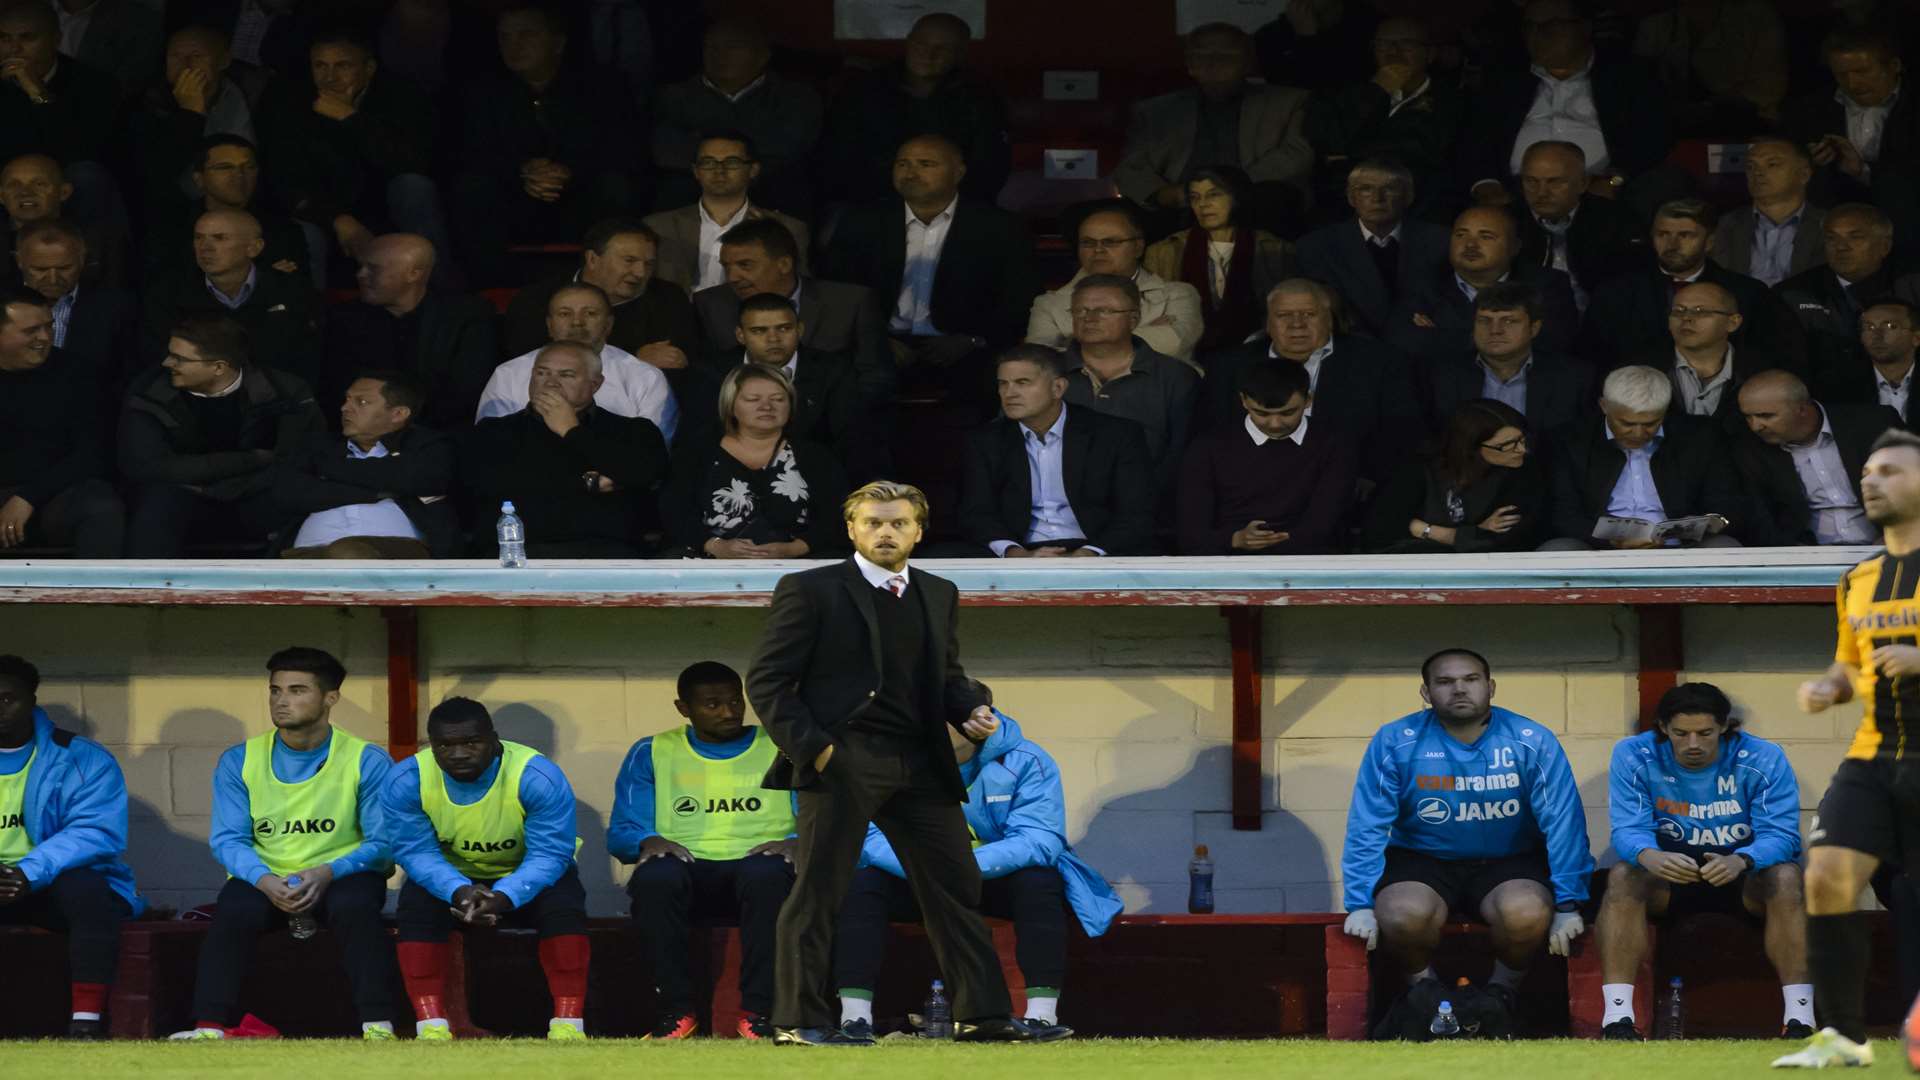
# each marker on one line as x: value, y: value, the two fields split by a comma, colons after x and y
x: 1507, y: 793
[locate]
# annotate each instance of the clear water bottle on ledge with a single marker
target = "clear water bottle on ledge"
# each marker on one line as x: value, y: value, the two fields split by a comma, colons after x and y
x: 512, y: 534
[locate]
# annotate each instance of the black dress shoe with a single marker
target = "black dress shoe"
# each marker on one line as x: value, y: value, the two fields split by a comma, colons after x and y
x: 87, y: 1029
x: 818, y: 1036
x: 1043, y: 1031
x: 1007, y: 1029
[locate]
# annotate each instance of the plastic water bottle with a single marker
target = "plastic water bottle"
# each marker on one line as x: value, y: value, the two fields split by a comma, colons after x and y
x: 512, y: 534
x: 303, y: 925
x: 1445, y: 1025
x: 1673, y: 1012
x: 939, y: 1013
x: 1200, y: 882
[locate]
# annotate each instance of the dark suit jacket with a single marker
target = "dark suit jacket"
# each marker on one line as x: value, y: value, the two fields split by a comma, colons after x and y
x: 282, y: 318
x: 679, y: 251
x: 1105, y: 469
x: 1337, y: 255
x: 103, y: 333
x: 323, y: 167
x: 983, y: 284
x: 1747, y: 361
x: 818, y: 666
x: 1439, y: 298
x: 452, y: 353
x: 1732, y: 245
x: 321, y: 475
x: 661, y: 313
x: 1560, y: 390
x: 1837, y: 367
x: 1783, y: 517
x: 1690, y: 471
x: 161, y: 441
x: 1628, y: 96
x: 839, y: 318
x: 518, y: 457
x: 1604, y: 241
x: 1366, y: 389
x: 1806, y: 119
x: 1628, y: 315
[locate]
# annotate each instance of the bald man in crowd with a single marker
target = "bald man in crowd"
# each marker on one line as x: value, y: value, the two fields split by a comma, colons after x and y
x: 1706, y: 367
x: 1802, y: 461
x: 34, y: 188
x: 279, y: 310
x: 444, y: 340
x: 582, y: 314
x: 1111, y: 241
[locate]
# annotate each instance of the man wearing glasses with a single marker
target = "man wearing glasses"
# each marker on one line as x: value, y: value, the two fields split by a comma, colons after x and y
x: 1111, y: 243
x: 1887, y: 334
x: 1706, y: 368
x: 725, y: 167
x: 1113, y: 371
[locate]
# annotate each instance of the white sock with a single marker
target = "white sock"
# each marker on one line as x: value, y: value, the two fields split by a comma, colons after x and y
x: 1045, y: 1009
x: 377, y: 1025
x: 853, y: 1008
x: 422, y: 1025
x: 1799, y: 1002
x: 1505, y: 976
x: 86, y: 1016
x: 571, y: 1021
x: 1619, y: 1001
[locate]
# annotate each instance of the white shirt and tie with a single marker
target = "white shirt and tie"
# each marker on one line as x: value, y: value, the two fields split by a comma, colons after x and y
x: 913, y: 309
x: 880, y: 577
x: 1052, y: 515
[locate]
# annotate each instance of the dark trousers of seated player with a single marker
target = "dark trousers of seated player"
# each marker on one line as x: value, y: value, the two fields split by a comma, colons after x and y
x: 668, y: 895
x: 350, y: 908
x: 81, y: 905
x: 1034, y: 898
x: 558, y: 913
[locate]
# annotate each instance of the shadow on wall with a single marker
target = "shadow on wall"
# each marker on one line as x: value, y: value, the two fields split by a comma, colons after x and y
x: 174, y: 869
x: 530, y: 726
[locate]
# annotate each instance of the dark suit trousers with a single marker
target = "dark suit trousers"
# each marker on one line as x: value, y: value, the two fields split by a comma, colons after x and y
x: 880, y: 779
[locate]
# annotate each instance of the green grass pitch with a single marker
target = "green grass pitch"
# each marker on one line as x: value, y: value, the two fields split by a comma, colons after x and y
x: 1091, y: 1059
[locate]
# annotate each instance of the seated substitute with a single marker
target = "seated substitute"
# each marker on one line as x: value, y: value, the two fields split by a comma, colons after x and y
x: 1482, y: 489
x: 484, y: 829
x: 1047, y: 478
x: 296, y: 826
x: 378, y: 490
x: 582, y: 478
x: 706, y: 841
x: 1016, y: 810
x: 582, y: 314
x: 1465, y: 810
x: 1278, y: 483
x: 1706, y: 818
x: 63, y: 836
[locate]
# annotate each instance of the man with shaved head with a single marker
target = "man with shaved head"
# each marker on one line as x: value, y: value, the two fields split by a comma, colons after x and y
x: 34, y: 188
x: 1567, y: 227
x: 735, y: 92
x: 279, y: 311
x: 444, y: 340
x: 1706, y: 367
x: 1802, y: 460
x: 1827, y: 300
x: 582, y: 478
x: 956, y: 274
x: 928, y: 90
x: 1434, y: 321
x: 582, y: 314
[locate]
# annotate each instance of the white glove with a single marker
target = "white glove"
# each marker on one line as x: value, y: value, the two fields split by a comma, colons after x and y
x: 1362, y: 924
x: 1567, y: 925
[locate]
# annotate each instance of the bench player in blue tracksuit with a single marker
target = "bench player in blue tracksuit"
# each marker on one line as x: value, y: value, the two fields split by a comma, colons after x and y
x: 1467, y: 810
x: 1706, y: 818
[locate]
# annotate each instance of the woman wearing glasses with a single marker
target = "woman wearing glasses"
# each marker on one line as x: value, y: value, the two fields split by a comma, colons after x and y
x: 1479, y: 491
x: 1229, y: 263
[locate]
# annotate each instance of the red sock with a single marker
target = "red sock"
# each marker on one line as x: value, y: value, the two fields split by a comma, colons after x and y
x: 423, y: 967
x: 564, y: 959
x: 89, y: 998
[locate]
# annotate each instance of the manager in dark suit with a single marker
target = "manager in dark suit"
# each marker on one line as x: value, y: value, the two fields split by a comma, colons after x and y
x: 857, y: 678
x: 1095, y: 495
x: 1382, y: 253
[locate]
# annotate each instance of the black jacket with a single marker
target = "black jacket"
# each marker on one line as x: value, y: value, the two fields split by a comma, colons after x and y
x: 1807, y: 118
x: 1604, y: 241
x: 1631, y: 103
x: 1747, y: 362
x: 982, y: 286
x: 518, y: 457
x: 573, y: 122
x: 1628, y: 315
x: 1416, y: 491
x: 282, y: 318
x: 103, y: 334
x: 447, y: 343
x: 81, y: 122
x: 161, y: 441
x: 1358, y: 121
x: 1103, y: 466
x: 1690, y: 471
x: 51, y: 434
x: 1438, y: 297
x: 818, y: 666
x: 684, y: 498
x: 873, y: 115
x: 1783, y: 517
x: 839, y: 318
x: 1337, y: 255
x: 1828, y: 327
x: 1560, y: 390
x: 1365, y: 388
x: 323, y: 167
x: 416, y: 473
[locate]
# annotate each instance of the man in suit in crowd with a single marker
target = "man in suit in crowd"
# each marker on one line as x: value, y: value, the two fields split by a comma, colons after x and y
x: 957, y: 272
x: 857, y: 677
x: 1377, y: 257
x: 279, y: 310
x: 1779, y: 234
x: 1364, y: 388
x: 1435, y: 319
x: 1111, y: 240
x: 761, y: 257
x: 1706, y: 369
x: 96, y: 324
x: 1589, y: 238
x: 1864, y: 136
x: 1396, y: 110
x: 1551, y: 390
x: 652, y: 319
x: 1611, y: 106
x: 1639, y: 460
x: 1801, y: 459
x: 828, y: 407
x: 1094, y: 494
x: 725, y: 168
x: 1826, y: 301
x: 1628, y: 315
x: 1223, y: 120
x: 1887, y: 335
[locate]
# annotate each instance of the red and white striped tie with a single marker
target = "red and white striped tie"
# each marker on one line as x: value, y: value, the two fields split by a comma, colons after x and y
x: 897, y: 584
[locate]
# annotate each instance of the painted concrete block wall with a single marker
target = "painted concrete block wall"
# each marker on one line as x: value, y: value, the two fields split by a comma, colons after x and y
x: 1132, y: 702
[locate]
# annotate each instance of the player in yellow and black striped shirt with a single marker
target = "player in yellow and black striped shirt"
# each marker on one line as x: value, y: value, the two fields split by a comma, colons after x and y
x: 1871, y: 812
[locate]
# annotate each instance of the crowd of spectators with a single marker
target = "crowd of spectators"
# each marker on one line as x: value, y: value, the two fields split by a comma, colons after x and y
x: 1365, y: 285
